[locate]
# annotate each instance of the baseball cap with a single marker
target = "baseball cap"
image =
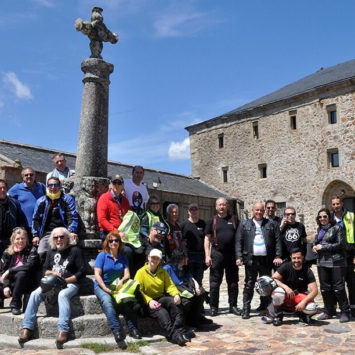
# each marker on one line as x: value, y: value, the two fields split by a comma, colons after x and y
x: 156, y: 252
x: 117, y: 178
x: 160, y: 227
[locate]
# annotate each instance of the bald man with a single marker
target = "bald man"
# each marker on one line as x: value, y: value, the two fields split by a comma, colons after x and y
x: 258, y: 248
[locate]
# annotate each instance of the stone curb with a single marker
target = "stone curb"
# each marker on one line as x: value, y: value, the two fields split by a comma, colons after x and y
x: 7, y: 341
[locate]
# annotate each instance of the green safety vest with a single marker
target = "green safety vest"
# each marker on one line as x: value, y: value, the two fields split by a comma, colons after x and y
x: 130, y: 226
x: 348, y: 220
x: 126, y: 291
x: 152, y: 218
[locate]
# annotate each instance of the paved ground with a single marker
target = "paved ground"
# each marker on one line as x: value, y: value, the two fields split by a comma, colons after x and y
x: 234, y: 336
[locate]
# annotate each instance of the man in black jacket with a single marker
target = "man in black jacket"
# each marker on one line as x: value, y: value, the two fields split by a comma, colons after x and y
x: 258, y: 247
x: 11, y: 216
x: 220, y: 255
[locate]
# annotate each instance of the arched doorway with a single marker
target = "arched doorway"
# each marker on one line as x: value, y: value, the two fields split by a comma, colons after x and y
x: 341, y: 189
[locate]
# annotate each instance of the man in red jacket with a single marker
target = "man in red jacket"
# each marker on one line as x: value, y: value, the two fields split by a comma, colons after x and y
x: 111, y: 207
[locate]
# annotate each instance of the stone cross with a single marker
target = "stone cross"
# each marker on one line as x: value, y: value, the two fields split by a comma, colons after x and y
x: 96, y: 31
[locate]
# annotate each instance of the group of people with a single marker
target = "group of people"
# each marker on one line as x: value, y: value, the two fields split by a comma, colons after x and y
x: 160, y: 271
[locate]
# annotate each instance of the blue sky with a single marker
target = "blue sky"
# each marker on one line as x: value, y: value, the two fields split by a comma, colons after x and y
x: 177, y: 62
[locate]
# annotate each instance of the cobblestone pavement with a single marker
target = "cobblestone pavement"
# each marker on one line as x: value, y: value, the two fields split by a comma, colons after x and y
x: 237, y: 336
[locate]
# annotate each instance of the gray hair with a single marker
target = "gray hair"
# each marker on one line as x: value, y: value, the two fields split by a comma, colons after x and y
x: 65, y: 232
x: 170, y: 207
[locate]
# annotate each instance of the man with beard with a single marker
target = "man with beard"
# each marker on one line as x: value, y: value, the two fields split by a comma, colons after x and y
x: 296, y: 290
x: 66, y: 261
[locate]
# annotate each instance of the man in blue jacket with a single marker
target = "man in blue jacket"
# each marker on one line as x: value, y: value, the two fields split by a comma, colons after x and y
x: 55, y: 209
x: 27, y: 193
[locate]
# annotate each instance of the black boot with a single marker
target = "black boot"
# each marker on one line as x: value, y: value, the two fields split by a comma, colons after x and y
x: 329, y: 303
x: 120, y: 339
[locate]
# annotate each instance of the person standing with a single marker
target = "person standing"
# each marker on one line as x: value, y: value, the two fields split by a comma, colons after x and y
x: 346, y: 220
x: 270, y: 211
x: 193, y: 233
x: 258, y: 247
x: 220, y: 256
x: 11, y: 216
x: 330, y: 248
x: 292, y: 233
x: 174, y: 239
x: 136, y: 191
x: 61, y: 171
x: 27, y: 193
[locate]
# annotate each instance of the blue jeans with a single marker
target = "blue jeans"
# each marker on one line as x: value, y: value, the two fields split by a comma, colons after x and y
x: 64, y: 297
x: 109, y: 307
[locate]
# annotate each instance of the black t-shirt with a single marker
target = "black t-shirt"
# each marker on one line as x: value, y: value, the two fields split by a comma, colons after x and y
x: 296, y: 279
x: 225, y: 232
x: 292, y: 236
x: 194, y: 235
x: 68, y: 262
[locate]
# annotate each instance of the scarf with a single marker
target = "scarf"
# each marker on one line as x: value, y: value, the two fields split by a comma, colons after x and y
x: 322, y: 231
x: 53, y: 196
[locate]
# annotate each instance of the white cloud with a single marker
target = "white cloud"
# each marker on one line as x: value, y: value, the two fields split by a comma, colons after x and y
x: 21, y: 90
x: 46, y: 3
x: 179, y: 150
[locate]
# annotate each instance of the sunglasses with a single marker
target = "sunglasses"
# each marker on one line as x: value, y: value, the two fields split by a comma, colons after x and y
x: 28, y: 175
x: 323, y: 217
x: 114, y: 241
x: 61, y: 237
x: 193, y: 209
x: 53, y: 185
x: 270, y: 208
x: 117, y: 182
x: 290, y: 214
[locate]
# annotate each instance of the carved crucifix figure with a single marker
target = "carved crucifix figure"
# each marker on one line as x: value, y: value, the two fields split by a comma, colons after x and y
x: 96, y: 31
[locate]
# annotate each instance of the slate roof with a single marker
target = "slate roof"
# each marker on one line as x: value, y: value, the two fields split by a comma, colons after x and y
x: 40, y: 159
x: 323, y: 77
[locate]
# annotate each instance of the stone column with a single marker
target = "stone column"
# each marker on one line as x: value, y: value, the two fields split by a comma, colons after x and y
x: 93, y: 134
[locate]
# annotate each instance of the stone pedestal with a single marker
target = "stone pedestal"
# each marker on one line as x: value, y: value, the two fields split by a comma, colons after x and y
x: 93, y: 134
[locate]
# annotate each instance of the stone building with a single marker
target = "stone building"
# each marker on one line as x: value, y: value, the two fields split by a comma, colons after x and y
x: 170, y: 187
x: 295, y: 145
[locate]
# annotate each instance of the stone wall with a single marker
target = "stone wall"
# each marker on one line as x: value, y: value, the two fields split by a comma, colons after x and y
x: 298, y: 171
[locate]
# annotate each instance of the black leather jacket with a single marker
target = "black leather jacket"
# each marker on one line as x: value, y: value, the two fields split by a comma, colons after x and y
x: 333, y: 252
x: 245, y: 240
x: 29, y: 259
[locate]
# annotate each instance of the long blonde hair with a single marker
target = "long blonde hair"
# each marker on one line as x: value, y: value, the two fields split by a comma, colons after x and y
x: 15, y: 233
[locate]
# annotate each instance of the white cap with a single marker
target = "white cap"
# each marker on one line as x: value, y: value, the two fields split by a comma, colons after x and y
x: 156, y: 252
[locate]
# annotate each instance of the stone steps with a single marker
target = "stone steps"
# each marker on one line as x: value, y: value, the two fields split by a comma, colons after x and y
x: 88, y: 321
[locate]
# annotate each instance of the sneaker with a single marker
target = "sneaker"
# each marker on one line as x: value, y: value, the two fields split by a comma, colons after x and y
x: 325, y: 316
x: 344, y: 317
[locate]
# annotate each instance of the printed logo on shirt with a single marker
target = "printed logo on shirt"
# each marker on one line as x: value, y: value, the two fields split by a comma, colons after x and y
x: 292, y: 235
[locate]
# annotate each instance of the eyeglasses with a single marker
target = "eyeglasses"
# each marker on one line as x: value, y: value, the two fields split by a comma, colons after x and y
x: 323, y: 217
x: 114, y: 241
x: 28, y: 175
x: 270, y: 208
x: 56, y: 237
x: 53, y: 185
x: 290, y: 214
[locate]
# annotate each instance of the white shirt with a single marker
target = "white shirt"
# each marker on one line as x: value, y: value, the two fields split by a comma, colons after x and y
x: 137, y: 195
x: 259, y: 247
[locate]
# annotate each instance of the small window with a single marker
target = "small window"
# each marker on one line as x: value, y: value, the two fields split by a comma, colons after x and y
x: 255, y: 130
x: 221, y: 140
x: 293, y: 122
x: 262, y: 171
x: 332, y: 114
x: 225, y: 174
x: 333, y: 158
x: 280, y: 208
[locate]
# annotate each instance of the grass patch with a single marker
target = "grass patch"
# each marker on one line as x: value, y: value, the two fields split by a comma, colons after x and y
x: 102, y: 348
x: 98, y: 348
x: 134, y: 347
